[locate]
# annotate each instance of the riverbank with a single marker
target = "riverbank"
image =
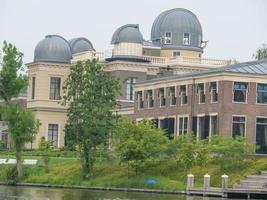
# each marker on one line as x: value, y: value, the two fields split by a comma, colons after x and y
x: 111, y: 174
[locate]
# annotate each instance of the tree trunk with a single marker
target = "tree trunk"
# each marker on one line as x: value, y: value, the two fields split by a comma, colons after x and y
x: 19, y: 163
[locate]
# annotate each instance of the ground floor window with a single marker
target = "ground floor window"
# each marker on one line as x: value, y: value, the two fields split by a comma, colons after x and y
x: 213, y: 125
x: 238, y: 126
x: 168, y: 124
x: 53, y: 134
x: 261, y: 135
x: 183, y: 125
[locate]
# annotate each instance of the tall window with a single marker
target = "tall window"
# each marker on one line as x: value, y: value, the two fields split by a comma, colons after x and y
x: 172, y: 95
x: 213, y: 125
x: 54, y: 88
x: 183, y: 94
x: 261, y: 135
x: 53, y: 134
x: 201, y: 93
x: 168, y: 38
x: 240, y: 91
x: 239, y: 126
x: 150, y: 99
x: 140, y: 99
x: 186, y: 39
x: 162, y: 100
x: 183, y: 125
x: 262, y: 93
x: 213, y: 92
x: 129, y: 88
x: 33, y: 87
x: 201, y: 132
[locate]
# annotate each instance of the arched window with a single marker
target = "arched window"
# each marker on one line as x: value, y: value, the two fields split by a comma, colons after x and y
x: 129, y: 88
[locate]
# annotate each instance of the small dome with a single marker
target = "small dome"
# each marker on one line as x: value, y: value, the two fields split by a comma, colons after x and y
x: 53, y: 48
x: 128, y: 33
x: 179, y: 24
x: 80, y: 44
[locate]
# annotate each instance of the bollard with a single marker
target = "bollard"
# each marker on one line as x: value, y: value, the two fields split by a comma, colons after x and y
x: 190, y: 180
x: 224, y: 182
x: 206, y: 181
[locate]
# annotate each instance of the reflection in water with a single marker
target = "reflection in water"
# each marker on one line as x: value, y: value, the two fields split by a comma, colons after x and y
x: 35, y: 193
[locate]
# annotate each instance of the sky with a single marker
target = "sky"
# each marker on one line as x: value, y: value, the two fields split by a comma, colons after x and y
x: 235, y: 29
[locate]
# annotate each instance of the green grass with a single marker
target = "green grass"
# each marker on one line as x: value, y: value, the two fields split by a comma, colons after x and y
x: 67, y: 171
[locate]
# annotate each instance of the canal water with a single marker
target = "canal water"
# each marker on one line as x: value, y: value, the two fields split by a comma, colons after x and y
x: 36, y: 193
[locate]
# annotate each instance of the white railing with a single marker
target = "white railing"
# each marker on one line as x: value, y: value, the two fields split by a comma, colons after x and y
x: 188, y: 61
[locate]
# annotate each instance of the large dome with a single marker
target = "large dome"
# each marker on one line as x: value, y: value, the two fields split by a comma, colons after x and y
x: 80, y: 44
x: 128, y: 33
x: 180, y: 27
x: 53, y: 48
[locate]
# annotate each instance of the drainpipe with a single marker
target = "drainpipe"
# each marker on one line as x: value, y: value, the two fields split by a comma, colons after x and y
x: 192, y: 102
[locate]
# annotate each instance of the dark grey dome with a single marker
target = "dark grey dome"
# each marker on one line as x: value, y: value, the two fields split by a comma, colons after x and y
x: 178, y: 21
x: 80, y: 44
x: 53, y: 48
x: 128, y: 33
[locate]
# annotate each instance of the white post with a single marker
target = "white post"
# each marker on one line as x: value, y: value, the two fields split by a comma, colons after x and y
x: 224, y: 181
x: 206, y: 181
x: 190, y: 180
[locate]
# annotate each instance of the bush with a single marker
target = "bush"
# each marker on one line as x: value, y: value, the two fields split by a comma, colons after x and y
x: 9, y: 174
x: 2, y: 145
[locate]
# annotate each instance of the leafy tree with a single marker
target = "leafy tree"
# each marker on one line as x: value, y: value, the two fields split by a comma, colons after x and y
x: 261, y: 53
x: 11, y: 82
x: 22, y: 126
x: 46, y: 146
x: 139, y: 143
x: 90, y: 94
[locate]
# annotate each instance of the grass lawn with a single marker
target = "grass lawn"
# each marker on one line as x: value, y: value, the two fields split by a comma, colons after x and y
x: 67, y: 171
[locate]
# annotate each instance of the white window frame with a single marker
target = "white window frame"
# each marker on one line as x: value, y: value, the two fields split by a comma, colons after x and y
x: 204, y: 90
x: 217, y: 89
x: 233, y: 94
x: 138, y: 99
x: 174, y: 96
x: 265, y: 117
x: 185, y: 38
x: 132, y: 81
x: 58, y: 134
x: 164, y: 96
x: 186, y: 91
x: 198, y: 116
x: 212, y: 115
x: 178, y: 124
x: 167, y: 38
x: 263, y: 104
x: 152, y: 97
x: 245, y: 134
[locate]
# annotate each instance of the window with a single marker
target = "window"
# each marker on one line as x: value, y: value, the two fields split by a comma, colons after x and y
x: 201, y: 127
x: 201, y: 93
x: 54, y: 88
x: 186, y: 39
x: 213, y: 125
x: 129, y: 88
x: 176, y: 53
x: 262, y: 93
x: 213, y: 92
x: 261, y: 135
x: 172, y: 94
x: 183, y: 125
x: 183, y: 94
x: 162, y: 101
x: 168, y: 38
x: 239, y: 126
x: 240, y: 91
x: 33, y: 87
x: 150, y: 100
x: 140, y: 100
x: 168, y: 124
x: 53, y: 134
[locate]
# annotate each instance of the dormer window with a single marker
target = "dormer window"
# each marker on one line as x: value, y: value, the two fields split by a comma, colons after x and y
x: 168, y: 38
x: 186, y: 39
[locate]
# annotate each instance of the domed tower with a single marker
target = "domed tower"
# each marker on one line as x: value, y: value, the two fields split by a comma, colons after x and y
x: 47, y: 73
x: 54, y: 49
x: 178, y: 32
x: 80, y: 44
x: 128, y: 42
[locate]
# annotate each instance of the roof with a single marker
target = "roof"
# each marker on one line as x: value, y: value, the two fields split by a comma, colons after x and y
x: 128, y: 33
x: 253, y: 67
x: 80, y: 44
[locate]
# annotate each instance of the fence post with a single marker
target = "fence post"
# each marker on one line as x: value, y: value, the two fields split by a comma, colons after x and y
x: 206, y: 181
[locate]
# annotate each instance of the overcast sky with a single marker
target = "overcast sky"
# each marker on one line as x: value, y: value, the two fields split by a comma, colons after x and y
x: 234, y: 28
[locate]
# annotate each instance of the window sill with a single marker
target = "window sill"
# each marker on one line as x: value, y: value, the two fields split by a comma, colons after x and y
x: 239, y: 102
x: 172, y: 105
x: 183, y: 104
x: 261, y: 104
x: 214, y: 102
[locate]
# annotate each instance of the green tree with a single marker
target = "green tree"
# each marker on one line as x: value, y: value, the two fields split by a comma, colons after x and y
x: 139, y: 143
x: 22, y: 126
x: 45, y: 146
x: 11, y: 82
x: 261, y: 53
x: 90, y: 94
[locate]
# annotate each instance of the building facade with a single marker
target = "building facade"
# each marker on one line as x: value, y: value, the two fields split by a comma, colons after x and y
x: 175, y: 49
